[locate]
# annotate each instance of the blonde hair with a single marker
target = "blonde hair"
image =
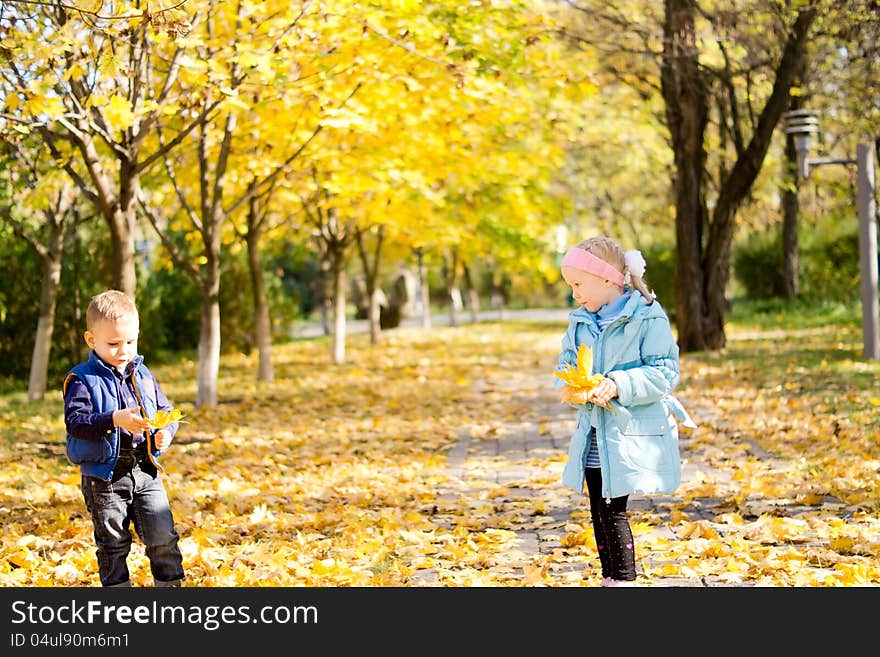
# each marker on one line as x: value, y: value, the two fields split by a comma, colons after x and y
x: 111, y: 305
x: 611, y: 252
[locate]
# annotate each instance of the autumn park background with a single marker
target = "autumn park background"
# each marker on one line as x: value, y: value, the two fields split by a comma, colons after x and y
x: 265, y: 176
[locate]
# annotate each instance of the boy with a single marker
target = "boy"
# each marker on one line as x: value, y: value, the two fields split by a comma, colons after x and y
x: 106, y: 401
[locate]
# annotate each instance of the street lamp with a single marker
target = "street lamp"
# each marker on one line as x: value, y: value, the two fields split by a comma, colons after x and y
x: 802, y: 125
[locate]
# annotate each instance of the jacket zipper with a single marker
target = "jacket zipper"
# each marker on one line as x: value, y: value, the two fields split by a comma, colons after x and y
x: 606, y: 481
x: 604, y: 444
x: 147, y: 435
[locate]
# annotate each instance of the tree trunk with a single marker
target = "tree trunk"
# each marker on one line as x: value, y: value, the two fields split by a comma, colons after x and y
x: 122, y: 246
x: 735, y: 188
x: 324, y: 299
x: 791, y: 204
x: 684, y: 94
x: 790, y: 213
x: 497, y: 293
x: 473, y: 297
x: 338, y: 269
x: 450, y: 268
x: 454, y: 305
x: 209, y: 325
x: 262, y: 321
x: 209, y: 350
x: 702, y: 274
x: 118, y: 210
x: 424, y: 294
x: 371, y: 278
x: 46, y: 323
x: 374, y: 311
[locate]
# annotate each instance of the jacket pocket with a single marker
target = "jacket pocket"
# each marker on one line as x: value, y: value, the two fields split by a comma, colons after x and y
x: 88, y: 451
x: 650, y: 444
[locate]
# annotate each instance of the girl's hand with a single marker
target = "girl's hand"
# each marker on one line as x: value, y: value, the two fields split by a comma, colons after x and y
x: 162, y: 439
x: 603, y: 393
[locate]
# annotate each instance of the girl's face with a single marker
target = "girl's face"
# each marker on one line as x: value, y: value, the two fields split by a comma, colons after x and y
x: 590, y: 291
x: 115, y: 341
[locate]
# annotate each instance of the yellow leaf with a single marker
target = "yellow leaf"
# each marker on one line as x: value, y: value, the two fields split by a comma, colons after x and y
x: 22, y: 559
x: 534, y: 573
x: 164, y: 418
x: 584, y: 359
x: 580, y: 376
x: 74, y: 72
x: 118, y: 113
x: 842, y: 544
x: 12, y: 101
x: 323, y: 567
x: 42, y: 105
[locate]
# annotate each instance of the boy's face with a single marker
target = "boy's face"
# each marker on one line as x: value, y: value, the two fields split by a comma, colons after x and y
x: 115, y: 341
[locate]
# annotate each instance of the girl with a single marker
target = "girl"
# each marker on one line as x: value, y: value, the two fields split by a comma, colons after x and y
x: 626, y: 438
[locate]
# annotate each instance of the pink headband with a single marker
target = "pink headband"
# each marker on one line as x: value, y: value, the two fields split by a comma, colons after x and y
x: 578, y: 258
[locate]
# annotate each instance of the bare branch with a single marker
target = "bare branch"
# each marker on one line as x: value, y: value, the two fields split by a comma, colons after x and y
x: 176, y: 255
x: 163, y: 18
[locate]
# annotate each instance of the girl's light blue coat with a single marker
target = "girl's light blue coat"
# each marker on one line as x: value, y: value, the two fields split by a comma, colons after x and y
x: 638, y: 443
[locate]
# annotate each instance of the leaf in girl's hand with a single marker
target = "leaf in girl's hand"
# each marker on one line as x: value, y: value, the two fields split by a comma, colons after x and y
x: 579, y: 377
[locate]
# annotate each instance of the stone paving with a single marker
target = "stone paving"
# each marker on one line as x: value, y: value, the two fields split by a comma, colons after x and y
x: 526, y: 459
x: 522, y: 460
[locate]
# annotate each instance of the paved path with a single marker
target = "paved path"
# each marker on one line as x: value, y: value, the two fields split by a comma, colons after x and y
x: 522, y: 461
x: 517, y: 466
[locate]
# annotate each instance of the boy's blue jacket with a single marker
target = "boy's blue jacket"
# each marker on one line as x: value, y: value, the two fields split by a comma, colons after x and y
x: 638, y: 442
x: 97, y: 454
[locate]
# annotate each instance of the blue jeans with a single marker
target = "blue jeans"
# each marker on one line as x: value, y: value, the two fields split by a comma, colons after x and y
x: 136, y: 494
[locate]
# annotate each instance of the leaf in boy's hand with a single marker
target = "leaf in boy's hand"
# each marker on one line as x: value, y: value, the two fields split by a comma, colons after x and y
x: 164, y: 418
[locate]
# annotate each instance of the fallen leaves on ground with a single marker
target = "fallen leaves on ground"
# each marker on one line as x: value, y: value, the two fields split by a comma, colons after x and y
x: 337, y: 475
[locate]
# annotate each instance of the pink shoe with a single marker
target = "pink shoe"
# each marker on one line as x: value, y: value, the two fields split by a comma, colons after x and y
x: 606, y: 581
x: 618, y: 582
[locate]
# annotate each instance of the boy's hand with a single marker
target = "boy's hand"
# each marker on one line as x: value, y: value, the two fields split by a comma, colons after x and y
x: 162, y: 439
x: 130, y: 419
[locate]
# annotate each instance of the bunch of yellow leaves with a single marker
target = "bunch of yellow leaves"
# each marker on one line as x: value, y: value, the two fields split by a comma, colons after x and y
x: 578, y: 378
x: 164, y: 418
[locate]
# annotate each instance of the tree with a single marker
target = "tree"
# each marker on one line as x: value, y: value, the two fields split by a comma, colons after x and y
x: 38, y: 194
x: 85, y: 84
x: 236, y: 56
x: 725, y: 75
x: 370, y: 263
x: 703, y: 270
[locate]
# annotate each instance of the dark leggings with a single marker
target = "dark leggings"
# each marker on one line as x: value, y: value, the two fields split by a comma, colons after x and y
x: 614, y: 539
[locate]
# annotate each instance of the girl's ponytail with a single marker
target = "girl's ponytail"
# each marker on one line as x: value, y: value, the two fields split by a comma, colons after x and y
x: 635, y: 269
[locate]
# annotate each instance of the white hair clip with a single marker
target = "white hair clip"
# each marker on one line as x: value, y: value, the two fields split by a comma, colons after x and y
x: 635, y: 265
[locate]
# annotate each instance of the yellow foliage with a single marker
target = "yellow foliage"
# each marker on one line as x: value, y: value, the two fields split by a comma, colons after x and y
x: 323, y: 478
x: 118, y: 113
x: 578, y: 378
x: 164, y: 418
x: 580, y: 375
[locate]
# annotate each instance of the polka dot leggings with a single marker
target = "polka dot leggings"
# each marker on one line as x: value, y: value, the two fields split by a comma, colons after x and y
x: 614, y: 539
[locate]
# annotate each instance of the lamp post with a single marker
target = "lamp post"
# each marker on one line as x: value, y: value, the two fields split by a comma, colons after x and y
x: 802, y: 125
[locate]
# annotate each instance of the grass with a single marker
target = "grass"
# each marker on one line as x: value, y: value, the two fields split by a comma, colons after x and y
x: 795, y: 314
